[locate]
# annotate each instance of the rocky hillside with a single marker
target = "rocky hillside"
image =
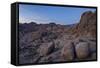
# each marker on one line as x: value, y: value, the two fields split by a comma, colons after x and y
x: 44, y: 43
x: 86, y: 25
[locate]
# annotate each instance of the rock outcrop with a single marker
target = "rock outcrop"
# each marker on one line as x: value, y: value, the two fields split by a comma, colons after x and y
x: 82, y: 50
x: 86, y: 25
x: 44, y: 43
x: 46, y: 48
x: 68, y: 51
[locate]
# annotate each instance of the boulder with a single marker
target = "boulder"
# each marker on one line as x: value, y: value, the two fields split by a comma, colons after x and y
x: 92, y: 46
x: 68, y: 52
x: 94, y: 56
x: 82, y: 50
x: 60, y: 43
x: 46, y: 48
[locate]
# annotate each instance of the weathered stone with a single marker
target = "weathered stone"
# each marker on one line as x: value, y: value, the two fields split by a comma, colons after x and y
x: 45, y: 49
x: 82, y: 50
x: 92, y: 46
x: 53, y: 57
x: 68, y: 51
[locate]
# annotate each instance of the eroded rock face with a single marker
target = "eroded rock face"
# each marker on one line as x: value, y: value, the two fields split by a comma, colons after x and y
x: 46, y: 48
x: 68, y: 51
x: 82, y: 50
x: 86, y: 25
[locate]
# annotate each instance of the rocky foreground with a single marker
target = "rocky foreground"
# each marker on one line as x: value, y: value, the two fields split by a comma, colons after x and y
x: 44, y: 43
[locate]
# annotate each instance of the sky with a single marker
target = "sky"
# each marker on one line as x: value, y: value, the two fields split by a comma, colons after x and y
x: 47, y: 14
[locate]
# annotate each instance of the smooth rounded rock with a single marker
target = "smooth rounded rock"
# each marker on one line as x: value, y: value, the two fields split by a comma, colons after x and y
x: 68, y: 52
x: 82, y: 50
